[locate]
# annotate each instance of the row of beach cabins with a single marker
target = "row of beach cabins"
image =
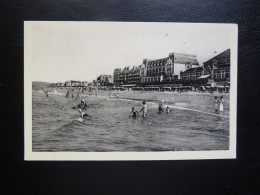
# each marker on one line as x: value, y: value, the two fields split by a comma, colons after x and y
x: 201, y: 89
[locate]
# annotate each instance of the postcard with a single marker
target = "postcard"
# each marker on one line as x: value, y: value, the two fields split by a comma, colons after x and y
x: 129, y: 91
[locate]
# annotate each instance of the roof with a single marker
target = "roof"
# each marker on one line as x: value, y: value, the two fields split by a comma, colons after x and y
x: 223, y: 55
x: 182, y: 54
x: 193, y: 69
x: 204, y: 76
x: 156, y: 60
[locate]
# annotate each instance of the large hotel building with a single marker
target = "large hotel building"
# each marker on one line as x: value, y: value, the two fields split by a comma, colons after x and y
x: 154, y: 71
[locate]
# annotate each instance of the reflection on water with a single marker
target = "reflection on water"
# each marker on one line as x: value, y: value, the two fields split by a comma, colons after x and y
x: 58, y: 127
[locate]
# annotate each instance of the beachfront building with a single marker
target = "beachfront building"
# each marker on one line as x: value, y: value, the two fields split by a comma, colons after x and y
x: 191, y: 74
x: 218, y: 67
x: 167, y: 69
x: 164, y: 70
x: 84, y: 83
x: 116, y: 76
x: 215, y: 69
x: 72, y: 83
x: 128, y: 76
x: 105, y: 80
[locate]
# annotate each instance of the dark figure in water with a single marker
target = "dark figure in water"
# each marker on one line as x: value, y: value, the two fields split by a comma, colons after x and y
x: 46, y: 93
x: 160, y: 108
x: 82, y: 105
x: 133, y: 113
x: 72, y: 95
x: 67, y: 95
x: 74, y: 106
x: 168, y: 110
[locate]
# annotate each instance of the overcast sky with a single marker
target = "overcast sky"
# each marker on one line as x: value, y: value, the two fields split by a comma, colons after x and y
x: 64, y: 51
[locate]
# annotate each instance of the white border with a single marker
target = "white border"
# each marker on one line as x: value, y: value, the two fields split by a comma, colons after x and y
x: 108, y: 156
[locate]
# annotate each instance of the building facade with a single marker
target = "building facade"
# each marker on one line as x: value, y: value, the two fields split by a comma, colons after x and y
x: 167, y: 69
x: 127, y: 76
x: 152, y: 71
x: 105, y: 80
x: 191, y: 74
x: 215, y: 69
x: 218, y: 67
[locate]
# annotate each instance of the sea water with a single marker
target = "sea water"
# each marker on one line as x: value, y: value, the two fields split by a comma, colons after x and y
x: 191, y: 125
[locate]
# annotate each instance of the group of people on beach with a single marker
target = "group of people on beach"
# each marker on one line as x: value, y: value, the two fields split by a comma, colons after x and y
x: 68, y: 94
x: 219, y: 105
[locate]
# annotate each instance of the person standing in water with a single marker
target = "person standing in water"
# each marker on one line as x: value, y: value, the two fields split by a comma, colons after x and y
x: 133, y: 113
x: 117, y: 95
x: 144, y: 109
x: 216, y: 102
x: 221, y: 105
x: 160, y: 107
x: 68, y: 93
x: 168, y: 110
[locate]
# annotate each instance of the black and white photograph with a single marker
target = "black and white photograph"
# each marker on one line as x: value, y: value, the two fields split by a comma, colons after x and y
x: 130, y: 90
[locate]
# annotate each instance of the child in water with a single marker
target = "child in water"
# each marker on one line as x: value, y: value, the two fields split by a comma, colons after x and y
x: 117, y: 95
x: 216, y: 102
x: 83, y: 114
x: 221, y: 105
x: 168, y: 110
x: 144, y: 109
x: 160, y: 108
x: 133, y: 113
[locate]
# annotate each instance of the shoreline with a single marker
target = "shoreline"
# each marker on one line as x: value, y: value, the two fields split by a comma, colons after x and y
x: 193, y: 101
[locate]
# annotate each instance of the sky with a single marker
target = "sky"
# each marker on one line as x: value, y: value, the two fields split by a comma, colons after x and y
x: 63, y: 51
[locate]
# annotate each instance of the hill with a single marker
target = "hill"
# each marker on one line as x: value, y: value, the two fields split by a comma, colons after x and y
x: 37, y: 85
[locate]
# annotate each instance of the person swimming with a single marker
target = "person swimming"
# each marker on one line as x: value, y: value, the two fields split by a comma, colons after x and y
x: 74, y: 106
x: 160, y: 107
x: 144, y: 109
x: 83, y: 114
x: 133, y: 113
x: 168, y: 110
